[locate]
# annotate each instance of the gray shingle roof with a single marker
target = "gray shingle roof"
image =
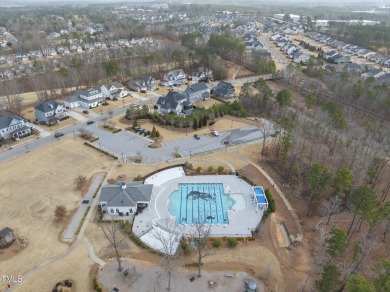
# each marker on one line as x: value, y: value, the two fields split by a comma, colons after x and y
x: 170, y: 100
x: 116, y: 196
x: 196, y: 87
x: 5, y: 231
x: 5, y: 120
x: 47, y: 106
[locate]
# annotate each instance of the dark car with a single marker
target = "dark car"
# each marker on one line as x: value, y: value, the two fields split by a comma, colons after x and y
x: 85, y: 201
x: 147, y: 133
x: 85, y: 112
x: 143, y: 91
x: 58, y: 134
x: 90, y: 122
x: 141, y: 131
x: 196, y: 136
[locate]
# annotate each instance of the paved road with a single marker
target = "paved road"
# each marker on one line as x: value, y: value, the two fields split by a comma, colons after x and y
x: 127, y: 145
x: 111, y: 143
x: 275, y: 53
x: 71, y: 229
x: 69, y: 131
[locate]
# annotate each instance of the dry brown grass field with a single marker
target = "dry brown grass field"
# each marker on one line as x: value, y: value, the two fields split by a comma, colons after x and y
x: 31, y: 186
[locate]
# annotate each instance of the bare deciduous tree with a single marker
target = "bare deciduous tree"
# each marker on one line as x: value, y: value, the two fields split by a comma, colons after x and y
x: 200, y: 235
x: 168, y: 236
x: 80, y: 181
x: 112, y: 234
x: 60, y: 212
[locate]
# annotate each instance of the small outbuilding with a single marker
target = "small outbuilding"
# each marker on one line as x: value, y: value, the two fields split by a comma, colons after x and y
x: 6, y: 236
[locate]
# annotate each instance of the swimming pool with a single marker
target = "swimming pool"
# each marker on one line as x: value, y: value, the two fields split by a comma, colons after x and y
x: 259, y: 191
x: 200, y: 202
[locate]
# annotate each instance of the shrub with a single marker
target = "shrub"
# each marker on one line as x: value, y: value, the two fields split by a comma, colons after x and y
x: 221, y: 168
x: 188, y: 165
x: 157, y: 134
x: 232, y: 241
x: 210, y: 168
x: 199, y: 169
x: 217, y: 242
x: 186, y: 248
x: 138, y: 178
x: 211, y: 123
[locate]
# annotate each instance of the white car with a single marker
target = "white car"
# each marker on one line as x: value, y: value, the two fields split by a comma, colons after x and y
x: 215, y: 133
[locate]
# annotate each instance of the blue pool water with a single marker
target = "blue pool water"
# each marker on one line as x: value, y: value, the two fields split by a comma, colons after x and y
x: 259, y: 191
x: 197, y: 202
x: 260, y: 195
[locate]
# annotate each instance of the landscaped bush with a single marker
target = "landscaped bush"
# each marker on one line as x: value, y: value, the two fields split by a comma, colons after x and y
x: 126, y: 226
x: 217, y: 242
x: 138, y: 178
x: 221, y: 168
x: 96, y: 286
x: 188, y: 165
x: 116, y: 131
x: 186, y: 248
x: 199, y: 169
x: 210, y: 168
x: 271, y: 204
x: 232, y: 241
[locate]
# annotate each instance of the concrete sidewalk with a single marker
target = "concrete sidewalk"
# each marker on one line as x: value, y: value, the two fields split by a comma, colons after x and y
x: 70, y: 230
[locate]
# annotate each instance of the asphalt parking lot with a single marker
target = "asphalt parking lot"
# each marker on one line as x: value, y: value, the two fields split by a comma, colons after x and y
x: 127, y: 145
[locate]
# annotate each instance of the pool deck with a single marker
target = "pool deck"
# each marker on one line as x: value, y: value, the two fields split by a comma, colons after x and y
x: 241, y: 222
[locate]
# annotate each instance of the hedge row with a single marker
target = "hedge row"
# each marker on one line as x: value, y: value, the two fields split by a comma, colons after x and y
x: 82, y: 220
x: 161, y: 169
x: 98, y: 149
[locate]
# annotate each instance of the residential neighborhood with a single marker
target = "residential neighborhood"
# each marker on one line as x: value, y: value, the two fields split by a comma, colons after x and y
x: 193, y: 146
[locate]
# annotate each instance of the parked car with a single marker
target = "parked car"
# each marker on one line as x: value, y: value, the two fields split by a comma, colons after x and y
x: 135, y: 105
x: 90, y: 122
x: 141, y: 131
x: 59, y: 134
x: 85, y: 112
x: 215, y: 133
x: 196, y: 136
x: 143, y: 91
x: 85, y: 201
x: 147, y: 133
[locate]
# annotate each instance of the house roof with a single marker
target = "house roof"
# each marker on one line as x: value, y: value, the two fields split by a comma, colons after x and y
x: 117, y: 196
x: 5, y: 120
x: 5, y: 231
x: 88, y: 92
x: 171, y: 99
x: 47, y: 106
x: 113, y: 84
x: 196, y: 87
x: 223, y: 88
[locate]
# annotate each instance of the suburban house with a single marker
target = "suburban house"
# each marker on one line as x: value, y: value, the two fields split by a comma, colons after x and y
x: 6, y: 236
x: 301, y: 57
x: 197, y: 91
x: 174, y: 102
x: 376, y: 73
x: 146, y: 82
x: 124, y: 198
x: 49, y: 112
x: 201, y: 74
x: 88, y: 98
x: 224, y: 89
x: 174, y: 77
x: 13, y: 127
x: 113, y: 90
